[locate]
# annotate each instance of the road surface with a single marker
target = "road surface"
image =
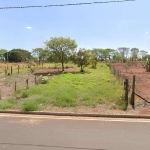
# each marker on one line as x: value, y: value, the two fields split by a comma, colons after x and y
x: 21, y: 132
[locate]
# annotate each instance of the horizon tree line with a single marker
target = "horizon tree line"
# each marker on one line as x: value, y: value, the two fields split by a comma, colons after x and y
x: 61, y: 50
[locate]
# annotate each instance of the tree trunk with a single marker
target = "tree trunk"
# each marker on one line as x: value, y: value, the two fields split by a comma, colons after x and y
x: 42, y: 63
x: 39, y: 62
x: 81, y: 68
x: 62, y: 63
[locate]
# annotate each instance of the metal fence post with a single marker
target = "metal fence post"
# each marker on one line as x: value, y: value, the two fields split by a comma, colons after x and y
x: 132, y: 102
x: 126, y: 85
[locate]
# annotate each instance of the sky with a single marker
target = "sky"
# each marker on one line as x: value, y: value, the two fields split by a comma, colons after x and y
x: 112, y: 25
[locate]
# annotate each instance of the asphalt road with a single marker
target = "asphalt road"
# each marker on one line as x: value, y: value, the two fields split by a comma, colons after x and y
x: 19, y: 132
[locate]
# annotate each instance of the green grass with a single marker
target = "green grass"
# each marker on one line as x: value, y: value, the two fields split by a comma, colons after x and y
x: 90, y: 88
x: 8, y: 103
x: 29, y: 106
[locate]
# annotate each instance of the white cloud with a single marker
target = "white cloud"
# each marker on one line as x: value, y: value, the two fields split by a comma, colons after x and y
x: 146, y: 32
x: 29, y: 28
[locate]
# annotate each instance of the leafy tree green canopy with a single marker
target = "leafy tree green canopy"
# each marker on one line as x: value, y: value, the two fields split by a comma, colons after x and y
x: 123, y: 52
x: 61, y: 48
x: 40, y: 54
x: 17, y: 55
x: 2, y: 52
x: 134, y: 53
x: 81, y: 58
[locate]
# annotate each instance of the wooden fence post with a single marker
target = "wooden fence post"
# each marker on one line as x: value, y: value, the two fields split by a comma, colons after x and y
x: 5, y: 71
x: 126, y: 85
x: 132, y: 102
x: 18, y: 68
x: 118, y: 73
x: 11, y: 70
x: 0, y: 93
x: 27, y: 84
x: 35, y: 80
x: 15, y: 86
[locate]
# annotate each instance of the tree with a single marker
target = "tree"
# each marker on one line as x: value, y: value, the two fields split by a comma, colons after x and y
x: 61, y: 48
x: 143, y: 54
x: 134, y: 53
x: 96, y: 52
x: 40, y: 54
x: 102, y: 54
x: 17, y: 55
x: 81, y: 58
x: 93, y: 61
x: 124, y: 52
x: 109, y: 53
x: 2, y: 52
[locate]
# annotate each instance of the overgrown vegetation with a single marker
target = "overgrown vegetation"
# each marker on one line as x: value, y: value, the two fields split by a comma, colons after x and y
x: 9, y: 103
x: 90, y: 88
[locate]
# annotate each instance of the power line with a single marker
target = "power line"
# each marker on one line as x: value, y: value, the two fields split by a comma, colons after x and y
x: 62, y: 5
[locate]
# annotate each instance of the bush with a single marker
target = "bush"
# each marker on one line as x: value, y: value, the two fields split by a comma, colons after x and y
x: 24, y: 94
x: 21, y: 94
x: 9, y: 103
x: 43, y: 79
x: 29, y: 106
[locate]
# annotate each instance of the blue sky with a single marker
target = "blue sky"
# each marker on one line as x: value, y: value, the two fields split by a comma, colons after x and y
x: 92, y: 26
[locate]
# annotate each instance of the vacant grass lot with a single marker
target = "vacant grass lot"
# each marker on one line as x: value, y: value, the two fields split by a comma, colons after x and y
x: 91, y: 88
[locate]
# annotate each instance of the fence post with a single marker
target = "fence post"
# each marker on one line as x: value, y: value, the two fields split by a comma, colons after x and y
x: 15, y: 86
x: 132, y: 102
x: 126, y: 86
x: 5, y: 71
x: 27, y: 85
x: 35, y: 80
x: 18, y: 68
x: 11, y: 70
x: 0, y: 93
x: 118, y: 75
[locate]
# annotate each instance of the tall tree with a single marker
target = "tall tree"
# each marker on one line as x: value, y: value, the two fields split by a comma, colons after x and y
x: 124, y: 51
x: 81, y: 58
x: 62, y: 48
x: 102, y: 53
x: 40, y: 54
x: 17, y: 55
x: 134, y: 53
x: 143, y: 54
x: 2, y: 52
x: 93, y: 61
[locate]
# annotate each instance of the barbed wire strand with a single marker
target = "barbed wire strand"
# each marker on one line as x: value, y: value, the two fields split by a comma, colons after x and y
x: 62, y: 5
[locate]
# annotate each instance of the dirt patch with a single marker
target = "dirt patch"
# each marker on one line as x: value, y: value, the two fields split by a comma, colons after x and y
x: 7, y: 83
x: 51, y: 71
x: 127, y: 71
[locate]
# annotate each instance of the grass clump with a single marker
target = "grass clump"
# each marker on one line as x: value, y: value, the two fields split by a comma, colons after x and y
x: 29, y: 106
x: 9, y: 103
x: 21, y: 94
x: 64, y: 101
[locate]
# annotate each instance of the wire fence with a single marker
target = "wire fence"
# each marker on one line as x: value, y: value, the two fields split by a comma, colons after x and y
x: 136, y: 92
x: 16, y: 79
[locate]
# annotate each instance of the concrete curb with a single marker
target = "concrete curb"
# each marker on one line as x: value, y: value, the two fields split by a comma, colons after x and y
x: 77, y: 115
